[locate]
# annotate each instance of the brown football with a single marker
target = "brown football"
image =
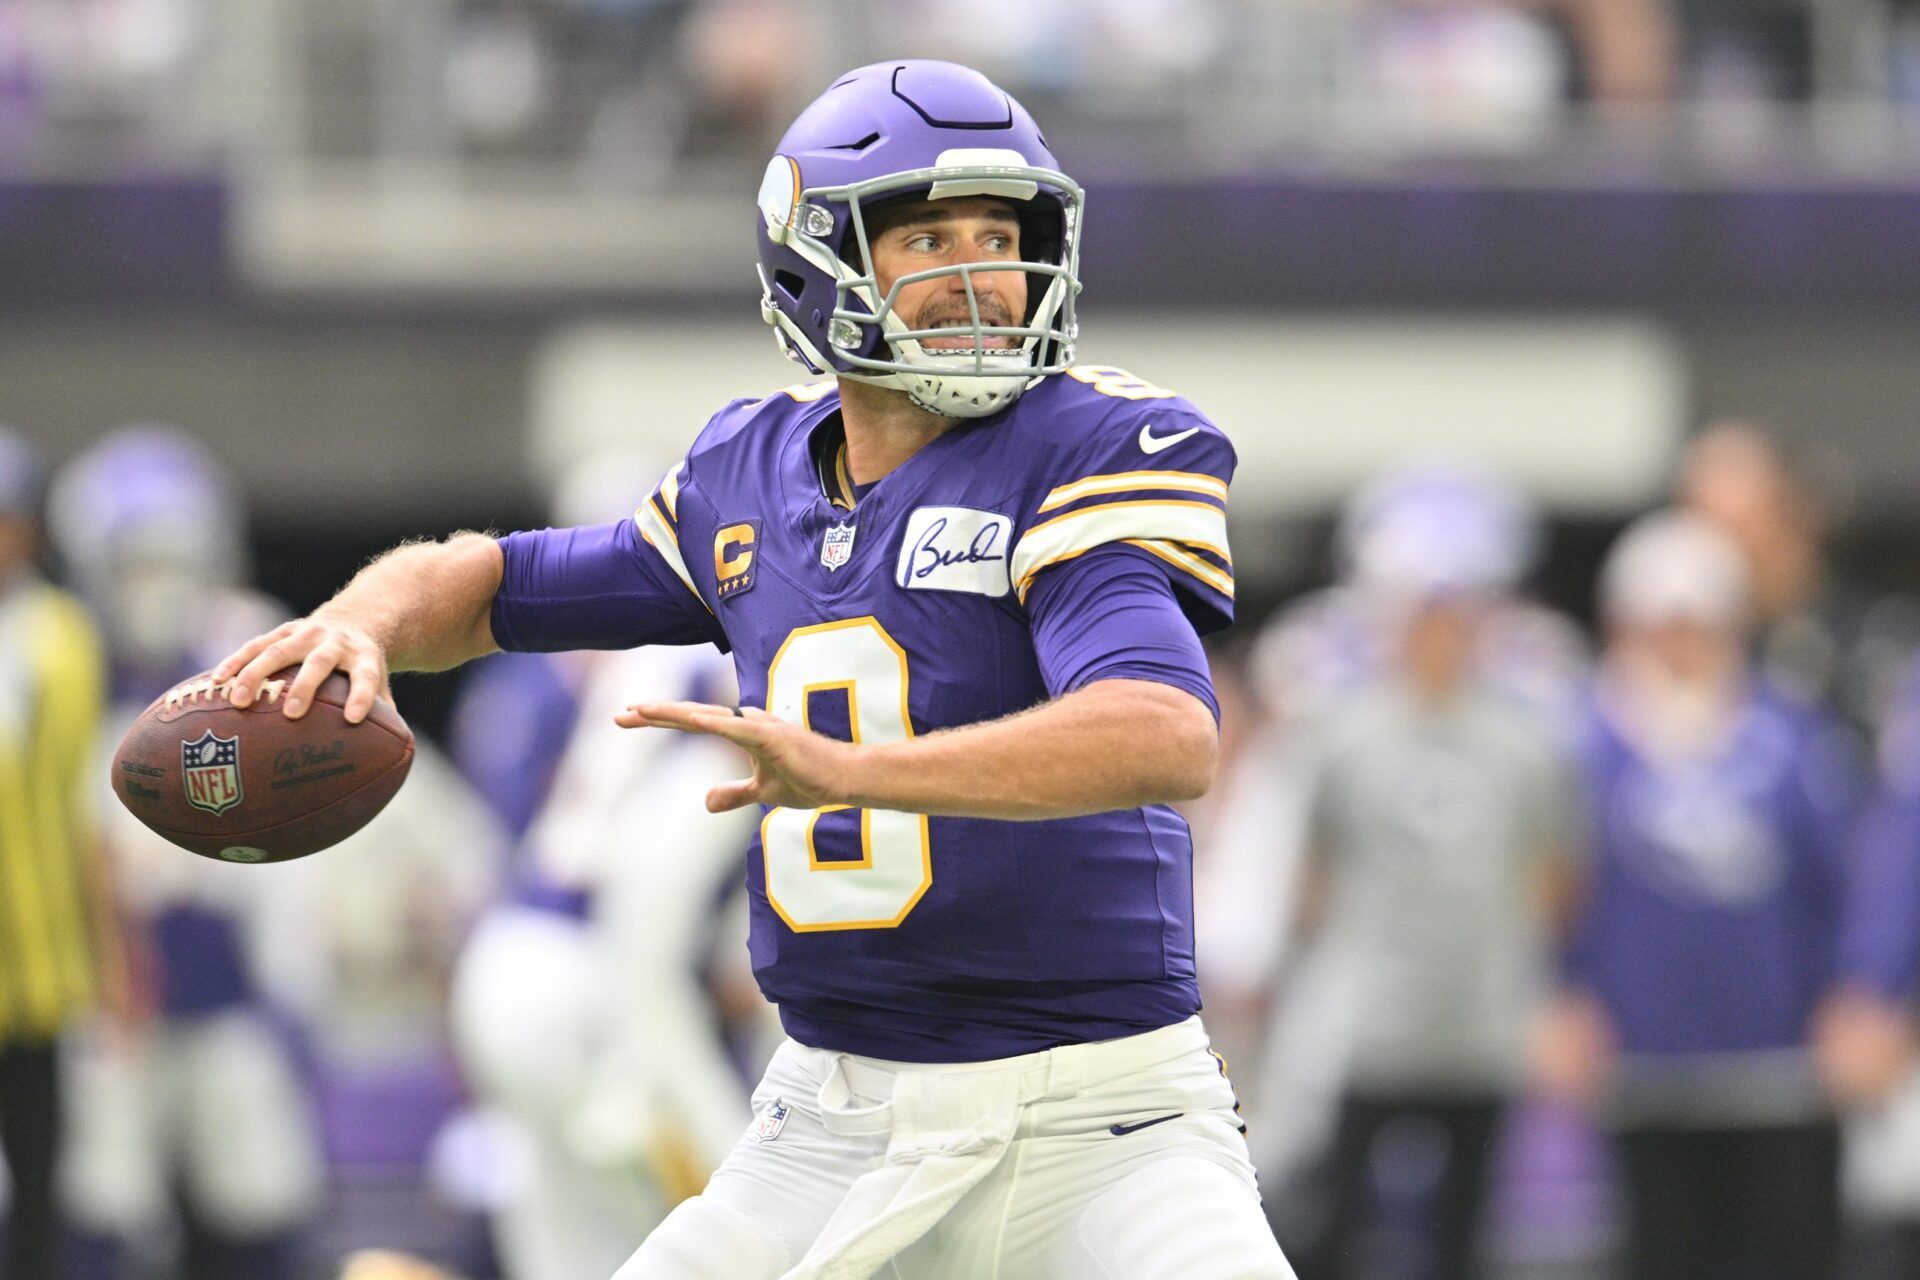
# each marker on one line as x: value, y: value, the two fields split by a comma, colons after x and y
x: 248, y: 784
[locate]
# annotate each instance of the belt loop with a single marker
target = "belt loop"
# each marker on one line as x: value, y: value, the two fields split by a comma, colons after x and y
x: 838, y: 1113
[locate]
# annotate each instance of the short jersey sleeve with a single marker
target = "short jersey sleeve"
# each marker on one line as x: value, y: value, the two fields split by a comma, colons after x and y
x: 1150, y: 473
x: 611, y: 586
x: 1110, y: 615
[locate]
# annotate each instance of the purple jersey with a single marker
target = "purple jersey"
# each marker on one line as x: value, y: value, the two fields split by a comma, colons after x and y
x: 1881, y: 945
x: 1079, y: 535
x: 1715, y: 916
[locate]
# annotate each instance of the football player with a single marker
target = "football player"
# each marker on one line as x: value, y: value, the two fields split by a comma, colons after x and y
x: 963, y: 583
x: 619, y: 1097
x: 200, y: 1125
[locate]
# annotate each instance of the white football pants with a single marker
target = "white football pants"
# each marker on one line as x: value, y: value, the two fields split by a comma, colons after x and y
x: 212, y: 1105
x: 527, y: 1013
x: 1121, y: 1160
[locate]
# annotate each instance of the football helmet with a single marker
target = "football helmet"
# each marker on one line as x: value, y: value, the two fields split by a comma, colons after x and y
x: 149, y: 523
x: 932, y: 130
x: 1438, y: 529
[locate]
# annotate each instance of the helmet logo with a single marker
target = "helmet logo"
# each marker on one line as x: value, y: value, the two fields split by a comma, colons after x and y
x: 780, y: 196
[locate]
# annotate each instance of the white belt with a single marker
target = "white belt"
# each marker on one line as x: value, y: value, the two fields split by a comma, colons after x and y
x: 948, y: 1127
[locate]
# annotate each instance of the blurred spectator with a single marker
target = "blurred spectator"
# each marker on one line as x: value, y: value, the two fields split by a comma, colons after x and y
x: 1819, y: 638
x: 53, y: 913
x: 1440, y: 817
x: 1710, y: 937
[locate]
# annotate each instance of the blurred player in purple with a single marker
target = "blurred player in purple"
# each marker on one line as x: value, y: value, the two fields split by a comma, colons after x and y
x: 963, y: 583
x: 1709, y: 956
x: 191, y: 1123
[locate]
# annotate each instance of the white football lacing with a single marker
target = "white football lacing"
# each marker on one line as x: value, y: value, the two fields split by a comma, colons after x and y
x: 204, y: 688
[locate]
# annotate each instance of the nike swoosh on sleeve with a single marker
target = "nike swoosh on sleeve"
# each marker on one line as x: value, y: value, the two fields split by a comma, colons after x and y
x: 1150, y: 443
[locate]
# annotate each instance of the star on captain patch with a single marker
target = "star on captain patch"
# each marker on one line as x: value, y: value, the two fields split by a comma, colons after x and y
x: 837, y: 547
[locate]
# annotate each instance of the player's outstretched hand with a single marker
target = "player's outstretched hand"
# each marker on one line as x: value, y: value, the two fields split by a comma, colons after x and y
x: 320, y: 646
x: 793, y: 767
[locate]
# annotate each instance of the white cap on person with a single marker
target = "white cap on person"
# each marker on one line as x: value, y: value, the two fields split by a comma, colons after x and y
x: 1674, y: 567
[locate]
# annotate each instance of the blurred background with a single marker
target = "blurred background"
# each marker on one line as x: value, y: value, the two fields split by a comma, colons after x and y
x: 1472, y: 285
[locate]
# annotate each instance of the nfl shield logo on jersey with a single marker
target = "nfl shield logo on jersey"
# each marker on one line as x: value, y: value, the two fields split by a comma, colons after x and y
x: 837, y: 547
x: 210, y: 769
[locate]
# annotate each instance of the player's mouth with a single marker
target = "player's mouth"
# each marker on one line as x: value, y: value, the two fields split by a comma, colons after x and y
x: 963, y: 343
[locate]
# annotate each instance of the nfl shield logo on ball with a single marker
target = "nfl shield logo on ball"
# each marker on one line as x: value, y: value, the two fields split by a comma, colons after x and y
x: 210, y: 768
x: 837, y: 547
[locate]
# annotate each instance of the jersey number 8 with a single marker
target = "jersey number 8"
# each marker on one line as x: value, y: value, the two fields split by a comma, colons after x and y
x: 895, y: 866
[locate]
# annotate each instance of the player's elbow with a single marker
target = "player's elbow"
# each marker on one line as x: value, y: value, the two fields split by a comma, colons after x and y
x: 1182, y: 746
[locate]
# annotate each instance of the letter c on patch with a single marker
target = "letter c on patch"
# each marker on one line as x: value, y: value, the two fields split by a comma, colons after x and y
x: 733, y: 557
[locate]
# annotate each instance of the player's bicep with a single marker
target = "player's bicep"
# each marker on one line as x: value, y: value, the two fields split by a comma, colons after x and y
x: 594, y: 587
x: 1112, y: 615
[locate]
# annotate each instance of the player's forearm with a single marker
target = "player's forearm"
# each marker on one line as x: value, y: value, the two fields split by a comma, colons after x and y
x: 1115, y: 744
x: 426, y: 604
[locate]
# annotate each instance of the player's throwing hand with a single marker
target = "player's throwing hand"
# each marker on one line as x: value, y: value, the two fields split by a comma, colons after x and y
x: 319, y: 646
x: 793, y: 767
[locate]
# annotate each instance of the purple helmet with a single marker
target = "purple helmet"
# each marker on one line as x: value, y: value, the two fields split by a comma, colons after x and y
x: 933, y: 130
x: 1438, y: 528
x: 149, y: 523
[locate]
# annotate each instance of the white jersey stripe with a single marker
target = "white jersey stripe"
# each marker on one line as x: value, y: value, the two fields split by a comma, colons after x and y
x: 1198, y: 525
x: 653, y: 527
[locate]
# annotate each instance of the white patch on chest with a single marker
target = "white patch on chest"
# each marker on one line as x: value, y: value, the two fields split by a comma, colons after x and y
x: 956, y: 549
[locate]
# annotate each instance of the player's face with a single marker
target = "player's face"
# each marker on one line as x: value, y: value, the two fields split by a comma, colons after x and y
x: 1689, y: 650
x: 942, y: 233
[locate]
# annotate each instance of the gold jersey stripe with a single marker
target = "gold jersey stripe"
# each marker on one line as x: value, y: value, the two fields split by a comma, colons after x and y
x: 1180, y: 559
x: 1125, y: 481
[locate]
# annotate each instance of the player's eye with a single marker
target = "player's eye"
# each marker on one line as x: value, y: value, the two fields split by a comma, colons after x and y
x: 923, y: 242
x: 1000, y: 243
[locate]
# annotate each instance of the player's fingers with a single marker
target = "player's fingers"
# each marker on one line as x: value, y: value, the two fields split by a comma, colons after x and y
x: 676, y: 715
x: 278, y: 656
x: 231, y: 664
x: 319, y: 664
x: 734, y: 795
x: 367, y: 680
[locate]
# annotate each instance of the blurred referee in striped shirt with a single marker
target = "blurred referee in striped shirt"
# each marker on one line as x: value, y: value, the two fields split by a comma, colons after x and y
x: 50, y: 888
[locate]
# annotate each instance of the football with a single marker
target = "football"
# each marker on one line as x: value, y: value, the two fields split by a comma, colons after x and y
x: 248, y: 784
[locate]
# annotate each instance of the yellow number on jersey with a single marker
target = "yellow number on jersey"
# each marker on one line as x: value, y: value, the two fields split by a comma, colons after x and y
x: 1109, y: 381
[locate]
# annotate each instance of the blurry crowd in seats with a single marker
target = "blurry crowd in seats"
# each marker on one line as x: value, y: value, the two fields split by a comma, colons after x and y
x: 1537, y: 948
